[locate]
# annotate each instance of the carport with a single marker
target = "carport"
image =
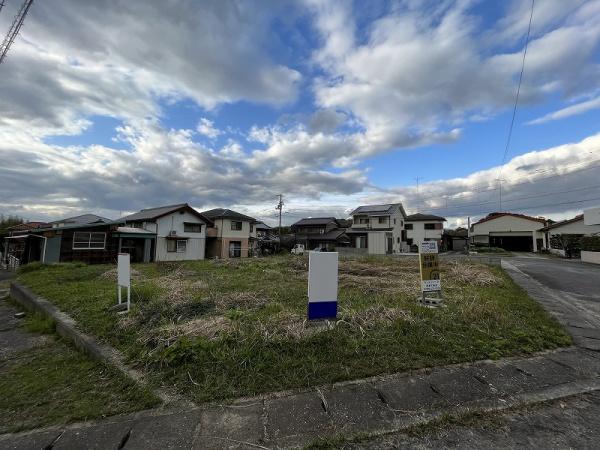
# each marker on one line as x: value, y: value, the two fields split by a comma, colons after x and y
x: 516, y: 242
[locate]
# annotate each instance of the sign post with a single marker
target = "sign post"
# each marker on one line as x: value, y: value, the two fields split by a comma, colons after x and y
x: 322, y: 285
x: 429, y: 264
x: 124, y: 277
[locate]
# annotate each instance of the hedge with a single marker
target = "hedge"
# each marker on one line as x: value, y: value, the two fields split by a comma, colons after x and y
x: 590, y: 243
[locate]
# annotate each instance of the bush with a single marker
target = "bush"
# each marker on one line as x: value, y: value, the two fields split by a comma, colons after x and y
x: 590, y: 243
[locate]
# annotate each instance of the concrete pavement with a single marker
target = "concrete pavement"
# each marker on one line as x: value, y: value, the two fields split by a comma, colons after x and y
x: 569, y: 289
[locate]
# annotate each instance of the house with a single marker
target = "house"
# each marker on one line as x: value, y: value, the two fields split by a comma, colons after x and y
x: 266, y: 240
x: 171, y: 233
x: 320, y: 232
x: 25, y: 226
x: 232, y: 234
x: 378, y: 229
x: 94, y: 243
x: 423, y: 227
x: 455, y: 240
x: 510, y: 231
x: 563, y: 237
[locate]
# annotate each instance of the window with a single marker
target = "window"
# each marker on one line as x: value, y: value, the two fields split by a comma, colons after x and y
x: 409, y: 241
x: 135, y: 224
x: 394, y: 221
x: 401, y: 222
x: 192, y: 227
x: 430, y: 226
x: 383, y: 219
x: 235, y: 225
x: 235, y: 249
x: 363, y: 221
x: 176, y: 245
x: 88, y: 241
x: 361, y: 242
x: 251, y: 228
x: 398, y: 239
x: 408, y: 226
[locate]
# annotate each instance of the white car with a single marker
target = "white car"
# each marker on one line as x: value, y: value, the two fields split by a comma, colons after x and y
x: 298, y: 249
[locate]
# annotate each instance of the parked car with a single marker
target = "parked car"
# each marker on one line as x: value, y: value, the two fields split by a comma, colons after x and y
x: 298, y: 249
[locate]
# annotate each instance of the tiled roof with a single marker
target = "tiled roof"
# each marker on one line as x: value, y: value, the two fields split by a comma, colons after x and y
x: 155, y: 213
x: 223, y: 213
x: 497, y: 215
x: 564, y: 222
x: 374, y: 210
x: 314, y: 221
x: 83, y: 219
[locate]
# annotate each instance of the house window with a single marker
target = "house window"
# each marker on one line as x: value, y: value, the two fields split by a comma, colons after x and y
x: 251, y: 228
x: 394, y: 221
x: 88, y: 241
x: 430, y: 226
x: 398, y: 239
x: 408, y: 226
x: 383, y: 220
x: 409, y: 241
x: 361, y: 242
x: 236, y: 226
x: 192, y: 227
x: 235, y: 249
x: 363, y: 220
x: 175, y: 245
x: 401, y: 223
x: 135, y: 224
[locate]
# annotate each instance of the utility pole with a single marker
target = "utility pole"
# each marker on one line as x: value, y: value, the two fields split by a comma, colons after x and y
x: 500, y: 180
x: 418, y: 195
x: 280, y: 208
x: 14, y: 28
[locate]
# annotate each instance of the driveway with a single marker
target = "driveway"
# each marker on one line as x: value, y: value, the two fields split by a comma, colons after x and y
x: 569, y: 289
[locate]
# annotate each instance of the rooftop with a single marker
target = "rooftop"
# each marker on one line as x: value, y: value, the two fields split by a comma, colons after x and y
x: 315, y: 221
x: 82, y: 220
x: 224, y: 213
x: 420, y: 217
x: 378, y: 209
x: 159, y: 211
x: 563, y: 222
x: 497, y: 215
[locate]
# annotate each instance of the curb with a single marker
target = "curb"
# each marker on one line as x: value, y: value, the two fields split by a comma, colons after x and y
x: 67, y: 328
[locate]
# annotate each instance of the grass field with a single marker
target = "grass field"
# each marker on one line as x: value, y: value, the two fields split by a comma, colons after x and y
x: 221, y: 329
x: 53, y: 384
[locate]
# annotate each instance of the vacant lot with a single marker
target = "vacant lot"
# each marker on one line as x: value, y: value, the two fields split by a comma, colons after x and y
x: 221, y: 329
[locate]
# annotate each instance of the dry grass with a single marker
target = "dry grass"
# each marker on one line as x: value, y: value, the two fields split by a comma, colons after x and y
x: 472, y: 274
x: 111, y: 275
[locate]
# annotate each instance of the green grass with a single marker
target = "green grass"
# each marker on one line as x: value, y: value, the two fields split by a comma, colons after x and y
x: 222, y: 329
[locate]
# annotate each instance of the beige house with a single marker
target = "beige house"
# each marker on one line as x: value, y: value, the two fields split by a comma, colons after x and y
x: 559, y: 233
x: 510, y: 231
x: 233, y: 234
x: 378, y: 229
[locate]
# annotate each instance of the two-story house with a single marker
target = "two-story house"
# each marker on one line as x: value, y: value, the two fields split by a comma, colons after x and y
x: 180, y: 233
x: 233, y: 234
x: 423, y: 227
x: 320, y: 233
x: 379, y: 229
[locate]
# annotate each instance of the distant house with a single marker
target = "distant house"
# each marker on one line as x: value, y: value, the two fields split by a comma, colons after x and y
x: 379, y: 229
x: 320, y: 233
x: 171, y: 233
x: 455, y: 240
x: 232, y: 234
x: 423, y: 227
x: 266, y: 240
x: 84, y: 219
x: 563, y: 237
x: 25, y: 226
x: 510, y: 231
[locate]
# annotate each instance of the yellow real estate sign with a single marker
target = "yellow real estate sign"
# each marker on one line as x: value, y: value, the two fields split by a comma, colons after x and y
x: 430, y: 267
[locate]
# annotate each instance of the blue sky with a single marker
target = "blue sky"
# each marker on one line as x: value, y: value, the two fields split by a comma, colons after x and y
x: 332, y: 103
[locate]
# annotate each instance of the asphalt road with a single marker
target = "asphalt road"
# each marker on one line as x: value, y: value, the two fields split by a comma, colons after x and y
x: 6, y: 275
x: 571, y: 276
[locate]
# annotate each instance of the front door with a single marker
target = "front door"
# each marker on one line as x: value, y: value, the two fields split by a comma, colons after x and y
x: 390, y: 244
x: 235, y: 249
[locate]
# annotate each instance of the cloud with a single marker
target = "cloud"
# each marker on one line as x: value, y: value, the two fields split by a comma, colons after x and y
x: 569, y: 111
x: 206, y: 127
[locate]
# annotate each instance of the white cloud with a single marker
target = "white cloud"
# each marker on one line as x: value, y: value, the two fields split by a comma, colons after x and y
x: 207, y: 128
x: 569, y: 111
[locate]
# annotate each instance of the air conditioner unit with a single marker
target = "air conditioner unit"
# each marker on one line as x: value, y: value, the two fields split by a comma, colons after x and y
x: 172, y: 233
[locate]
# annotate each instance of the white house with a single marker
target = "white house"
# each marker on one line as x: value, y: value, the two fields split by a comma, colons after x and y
x: 509, y: 231
x: 558, y: 233
x: 379, y: 229
x: 423, y: 227
x: 180, y: 231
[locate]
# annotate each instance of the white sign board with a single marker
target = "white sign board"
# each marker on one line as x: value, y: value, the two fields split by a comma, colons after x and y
x: 591, y: 216
x: 428, y: 247
x: 322, y: 285
x: 123, y: 270
x: 429, y: 266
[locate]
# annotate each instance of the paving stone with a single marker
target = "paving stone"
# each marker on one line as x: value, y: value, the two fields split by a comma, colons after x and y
x: 296, y: 420
x: 225, y: 427
x: 584, y: 362
x: 29, y: 441
x: 460, y: 386
x: 410, y: 394
x: 506, y: 379
x: 172, y: 431
x: 545, y: 372
x: 358, y: 408
x: 101, y: 436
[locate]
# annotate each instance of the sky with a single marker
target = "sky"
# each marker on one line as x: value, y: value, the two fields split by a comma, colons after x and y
x: 112, y: 106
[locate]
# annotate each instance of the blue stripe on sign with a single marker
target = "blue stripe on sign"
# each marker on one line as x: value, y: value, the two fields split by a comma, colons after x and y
x: 322, y: 310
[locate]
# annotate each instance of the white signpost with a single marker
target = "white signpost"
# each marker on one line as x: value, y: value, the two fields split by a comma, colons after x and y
x: 322, y: 285
x: 430, y: 274
x: 124, y: 277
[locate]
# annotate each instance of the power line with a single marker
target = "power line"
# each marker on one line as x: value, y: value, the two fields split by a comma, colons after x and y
x: 514, y: 113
